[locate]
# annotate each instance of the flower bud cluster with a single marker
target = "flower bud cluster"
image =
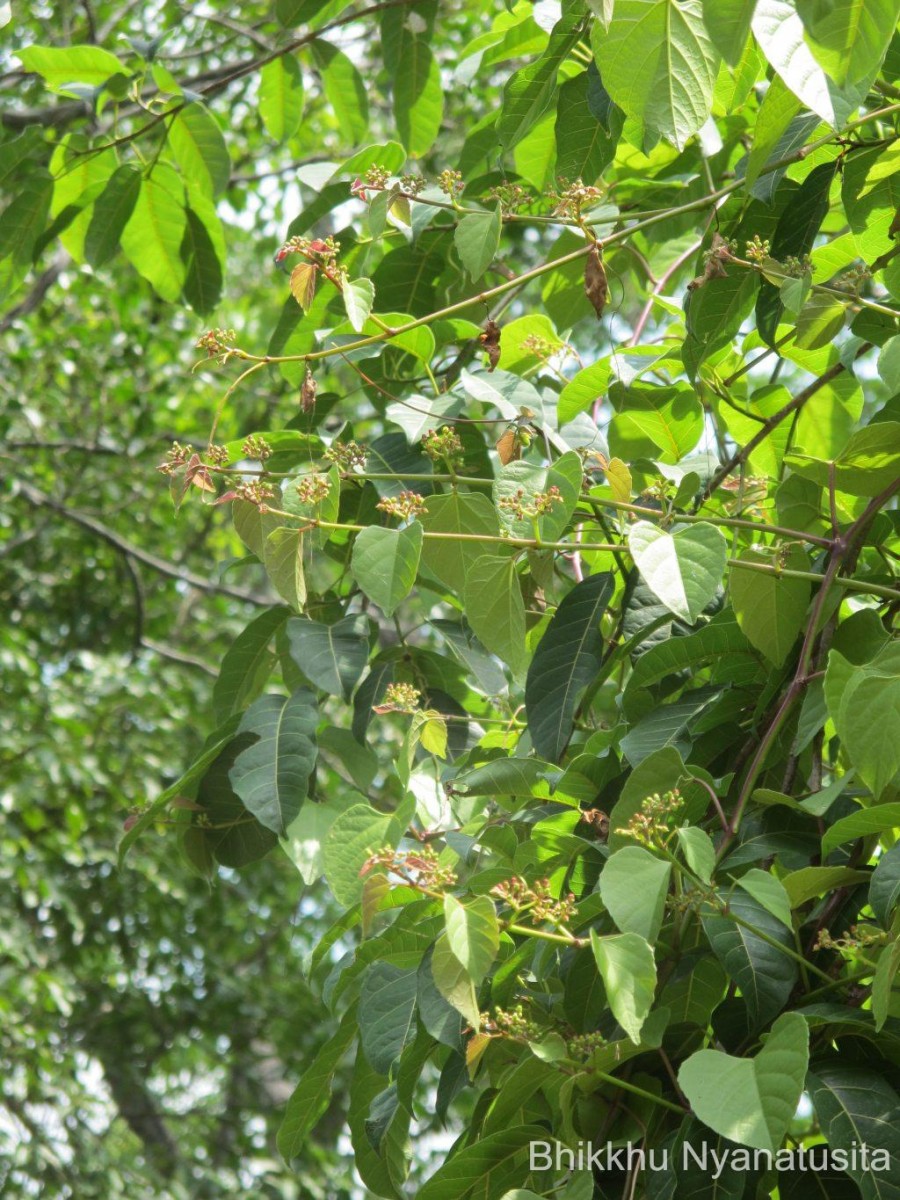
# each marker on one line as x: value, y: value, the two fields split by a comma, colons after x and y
x: 216, y: 341
x: 536, y: 899
x: 652, y: 824
x: 346, y: 455
x: 256, y: 447
x: 405, y: 506
x: 509, y: 1023
x: 538, y: 504
x: 419, y: 868
x: 858, y: 937
x: 758, y: 249
x: 583, y: 1045
x: 313, y: 489
x: 255, y: 492
x: 573, y: 198
x: 443, y: 445
x: 451, y: 183
x: 511, y: 196
x: 176, y: 457
x: 401, y: 697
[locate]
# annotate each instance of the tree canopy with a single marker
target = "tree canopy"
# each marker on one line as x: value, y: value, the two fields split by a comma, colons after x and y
x: 450, y: 567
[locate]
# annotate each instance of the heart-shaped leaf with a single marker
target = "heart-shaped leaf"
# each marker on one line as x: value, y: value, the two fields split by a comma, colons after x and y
x: 633, y: 886
x: 683, y: 569
x: 628, y: 969
x: 385, y: 561
x: 751, y: 1101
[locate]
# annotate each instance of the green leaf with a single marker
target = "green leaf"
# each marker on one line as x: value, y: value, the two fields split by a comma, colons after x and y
x: 473, y: 934
x: 477, y: 238
x: 794, y: 234
x: 567, y: 659
x: 770, y: 608
x: 385, y: 561
x: 820, y: 321
x: 74, y: 64
x: 332, y: 657
x: 418, y: 96
x: 584, y: 147
x: 849, y: 39
x: 628, y: 970
x: 889, y: 360
x: 776, y: 124
x: 698, y: 850
x: 24, y: 218
x: 505, y: 777
x: 495, y: 609
x: 583, y: 391
x: 864, y: 823
x: 715, y: 313
x: 281, y: 97
x: 764, y: 974
x: 695, y: 989
x: 112, y: 212
x: 359, y: 296
x: 633, y: 886
x: 868, y: 463
x: 662, y: 423
x: 353, y: 837
x: 883, y: 982
x: 858, y: 1107
x: 809, y: 882
x: 684, y: 570
x: 720, y: 638
x: 779, y: 31
x: 387, y: 1008
x: 283, y: 560
x: 870, y: 205
x: 312, y: 1095
x: 458, y: 512
x: 864, y: 703
x: 454, y: 982
x: 751, y: 1101
x: 153, y: 236
x: 200, y: 150
x: 202, y: 257
x: 488, y: 1163
x: 658, y: 63
x: 304, y: 840
x: 728, y: 25
x: 884, y: 890
x: 345, y: 90
x: 291, y: 13
x: 770, y: 893
x: 247, y: 664
x: 528, y: 92
x: 272, y: 776
x: 253, y: 527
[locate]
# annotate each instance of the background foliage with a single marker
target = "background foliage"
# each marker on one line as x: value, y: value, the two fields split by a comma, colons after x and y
x: 505, y: 725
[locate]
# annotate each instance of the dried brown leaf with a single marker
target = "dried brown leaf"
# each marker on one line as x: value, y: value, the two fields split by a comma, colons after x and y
x: 308, y: 390
x: 490, y: 340
x: 596, y: 287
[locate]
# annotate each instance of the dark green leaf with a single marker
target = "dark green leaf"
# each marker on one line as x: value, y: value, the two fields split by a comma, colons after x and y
x: 272, y: 775
x: 566, y: 660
